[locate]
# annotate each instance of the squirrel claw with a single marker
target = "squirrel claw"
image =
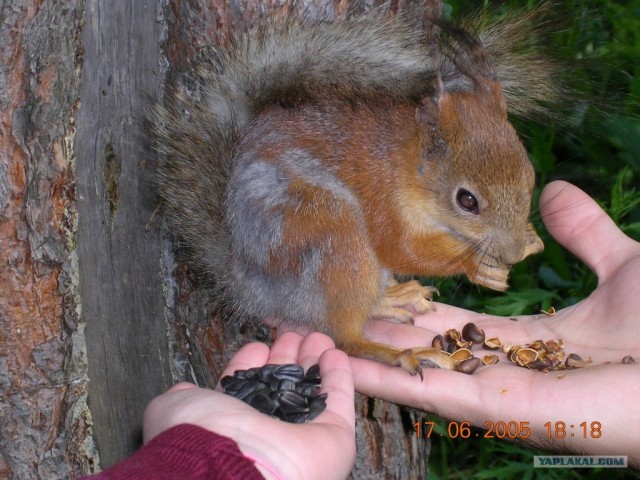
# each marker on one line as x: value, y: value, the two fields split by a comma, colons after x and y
x: 402, y: 301
x: 434, y: 358
x: 409, y: 362
x: 414, y: 359
x: 387, y: 312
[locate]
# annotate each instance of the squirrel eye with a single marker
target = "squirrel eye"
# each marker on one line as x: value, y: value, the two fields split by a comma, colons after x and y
x: 467, y: 201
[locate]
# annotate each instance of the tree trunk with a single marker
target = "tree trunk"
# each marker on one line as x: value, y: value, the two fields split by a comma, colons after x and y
x: 98, y: 315
x: 44, y: 421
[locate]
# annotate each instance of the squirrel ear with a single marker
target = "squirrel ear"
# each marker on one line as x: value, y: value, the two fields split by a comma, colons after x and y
x: 428, y: 110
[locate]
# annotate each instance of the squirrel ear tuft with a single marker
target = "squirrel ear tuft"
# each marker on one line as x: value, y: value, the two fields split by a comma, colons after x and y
x: 428, y: 110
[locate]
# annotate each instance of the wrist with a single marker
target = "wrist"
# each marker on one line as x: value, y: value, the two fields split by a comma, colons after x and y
x: 207, y: 451
x: 275, y: 462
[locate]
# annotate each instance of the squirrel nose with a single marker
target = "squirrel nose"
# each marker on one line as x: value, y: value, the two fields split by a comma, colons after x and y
x: 512, y: 252
x: 510, y: 259
x: 515, y: 250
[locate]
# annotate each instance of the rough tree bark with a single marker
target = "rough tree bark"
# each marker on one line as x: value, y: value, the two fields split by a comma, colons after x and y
x: 44, y: 422
x: 97, y: 314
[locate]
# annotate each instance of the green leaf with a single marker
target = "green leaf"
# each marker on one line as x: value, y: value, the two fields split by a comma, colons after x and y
x: 521, y: 302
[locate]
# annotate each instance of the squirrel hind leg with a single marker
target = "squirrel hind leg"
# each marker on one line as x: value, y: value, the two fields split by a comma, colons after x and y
x: 402, y: 301
x: 348, y: 314
x: 349, y: 309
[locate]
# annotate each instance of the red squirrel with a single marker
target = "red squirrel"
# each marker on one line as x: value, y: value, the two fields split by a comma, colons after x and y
x: 317, y: 161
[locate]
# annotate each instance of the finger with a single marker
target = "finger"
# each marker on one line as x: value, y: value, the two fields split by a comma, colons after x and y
x: 445, y: 317
x: 492, y: 392
x: 519, y: 329
x: 399, y: 335
x: 286, y: 348
x: 578, y: 223
x: 337, y: 382
x: 313, y: 345
x: 513, y: 330
x: 435, y: 393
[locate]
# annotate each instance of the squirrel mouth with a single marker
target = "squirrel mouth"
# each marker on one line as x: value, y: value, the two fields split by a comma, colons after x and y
x: 491, y: 276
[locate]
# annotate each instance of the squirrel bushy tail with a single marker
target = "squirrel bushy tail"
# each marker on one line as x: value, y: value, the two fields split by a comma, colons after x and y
x: 534, y: 83
x: 292, y: 61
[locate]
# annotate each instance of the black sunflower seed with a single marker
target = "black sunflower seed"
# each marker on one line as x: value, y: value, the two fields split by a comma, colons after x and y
x: 307, y: 390
x: 286, y: 385
x: 231, y: 384
x: 317, y: 406
x: 253, y: 371
x: 246, y: 389
x: 313, y: 373
x: 289, y: 372
x: 292, y: 417
x: 240, y: 374
x: 263, y: 403
x: 266, y: 373
x: 293, y: 399
x: 274, y: 384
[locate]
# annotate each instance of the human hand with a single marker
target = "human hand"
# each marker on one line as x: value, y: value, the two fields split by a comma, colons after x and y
x: 323, y: 448
x: 604, y: 327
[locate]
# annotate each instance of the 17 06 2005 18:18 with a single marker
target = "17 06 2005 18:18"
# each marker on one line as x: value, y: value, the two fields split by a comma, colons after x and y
x: 511, y: 429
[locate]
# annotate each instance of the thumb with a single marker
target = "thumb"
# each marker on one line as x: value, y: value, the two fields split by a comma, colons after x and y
x: 578, y: 223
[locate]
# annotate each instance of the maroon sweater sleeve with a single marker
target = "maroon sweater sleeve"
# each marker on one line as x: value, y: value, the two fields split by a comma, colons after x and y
x: 184, y: 452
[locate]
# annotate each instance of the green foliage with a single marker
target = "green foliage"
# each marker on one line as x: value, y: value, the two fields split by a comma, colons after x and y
x: 598, y: 149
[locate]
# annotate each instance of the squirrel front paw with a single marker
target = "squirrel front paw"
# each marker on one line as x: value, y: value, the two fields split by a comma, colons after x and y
x: 401, y: 301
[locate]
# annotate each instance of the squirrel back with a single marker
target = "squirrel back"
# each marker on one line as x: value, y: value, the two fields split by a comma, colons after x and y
x: 317, y: 160
x: 285, y: 63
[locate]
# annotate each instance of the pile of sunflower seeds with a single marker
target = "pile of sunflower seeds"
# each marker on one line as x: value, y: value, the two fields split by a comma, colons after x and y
x: 281, y: 391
